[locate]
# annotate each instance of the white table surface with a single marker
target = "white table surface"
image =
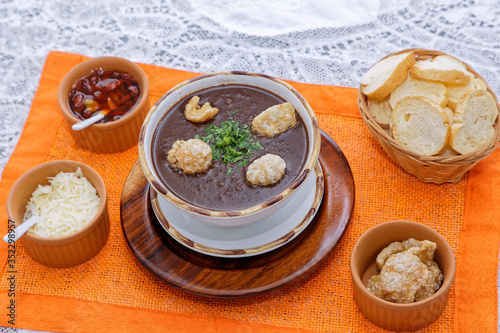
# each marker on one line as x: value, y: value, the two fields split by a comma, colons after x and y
x: 312, y: 41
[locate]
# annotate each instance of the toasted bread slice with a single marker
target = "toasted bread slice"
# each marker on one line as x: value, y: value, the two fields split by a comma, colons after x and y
x: 435, y: 91
x: 455, y: 91
x: 420, y: 125
x: 442, y: 68
x: 381, y: 111
x: 450, y: 113
x: 381, y: 79
x: 448, y: 151
x: 475, y: 116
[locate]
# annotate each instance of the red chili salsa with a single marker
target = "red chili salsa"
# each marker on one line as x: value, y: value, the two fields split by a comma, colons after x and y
x: 113, y: 92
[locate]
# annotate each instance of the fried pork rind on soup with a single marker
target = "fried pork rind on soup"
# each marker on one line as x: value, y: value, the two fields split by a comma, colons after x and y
x: 198, y: 114
x: 191, y: 156
x: 266, y: 170
x: 275, y: 120
x: 407, y: 272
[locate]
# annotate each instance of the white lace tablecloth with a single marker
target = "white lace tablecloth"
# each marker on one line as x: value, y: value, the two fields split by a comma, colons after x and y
x: 312, y: 41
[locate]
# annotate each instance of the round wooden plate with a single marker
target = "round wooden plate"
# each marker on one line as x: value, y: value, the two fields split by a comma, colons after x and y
x: 211, y: 276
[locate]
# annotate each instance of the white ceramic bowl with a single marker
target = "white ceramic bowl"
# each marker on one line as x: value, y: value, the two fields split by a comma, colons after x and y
x: 241, y: 216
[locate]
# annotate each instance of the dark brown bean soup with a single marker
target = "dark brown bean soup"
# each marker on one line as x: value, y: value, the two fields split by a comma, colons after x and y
x: 216, y: 189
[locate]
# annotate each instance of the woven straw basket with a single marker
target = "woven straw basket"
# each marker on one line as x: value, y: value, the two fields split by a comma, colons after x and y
x: 433, y: 169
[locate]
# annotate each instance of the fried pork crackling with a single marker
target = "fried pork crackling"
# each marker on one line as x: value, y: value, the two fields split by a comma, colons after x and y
x: 191, y: 156
x: 266, y: 170
x: 198, y: 114
x: 407, y: 272
x: 275, y: 120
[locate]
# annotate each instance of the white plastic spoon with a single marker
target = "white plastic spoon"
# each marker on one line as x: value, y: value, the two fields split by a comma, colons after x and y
x: 87, y: 122
x: 21, y: 230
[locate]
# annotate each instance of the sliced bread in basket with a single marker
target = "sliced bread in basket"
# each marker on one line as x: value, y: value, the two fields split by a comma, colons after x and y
x: 442, y: 68
x: 420, y: 125
x: 381, y: 79
x: 381, y: 111
x: 435, y: 91
x: 455, y: 91
x: 420, y: 159
x: 474, y: 118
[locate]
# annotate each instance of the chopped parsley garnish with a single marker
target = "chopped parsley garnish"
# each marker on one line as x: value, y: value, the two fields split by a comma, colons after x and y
x: 231, y: 143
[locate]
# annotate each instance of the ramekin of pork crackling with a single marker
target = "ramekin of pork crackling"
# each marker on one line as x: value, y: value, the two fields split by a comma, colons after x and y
x: 432, y: 113
x: 402, y: 273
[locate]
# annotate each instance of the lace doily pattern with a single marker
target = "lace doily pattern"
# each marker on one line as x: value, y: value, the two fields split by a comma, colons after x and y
x: 184, y: 35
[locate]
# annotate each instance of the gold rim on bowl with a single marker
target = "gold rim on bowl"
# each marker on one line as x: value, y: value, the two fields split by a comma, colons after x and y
x: 223, y: 78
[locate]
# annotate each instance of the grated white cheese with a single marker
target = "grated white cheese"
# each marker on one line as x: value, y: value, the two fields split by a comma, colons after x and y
x: 65, y: 206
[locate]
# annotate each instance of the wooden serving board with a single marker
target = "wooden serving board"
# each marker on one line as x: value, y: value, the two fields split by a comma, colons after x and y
x: 211, y: 276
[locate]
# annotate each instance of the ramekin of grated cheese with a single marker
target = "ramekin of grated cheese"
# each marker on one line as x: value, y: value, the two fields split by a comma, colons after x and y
x: 70, y: 199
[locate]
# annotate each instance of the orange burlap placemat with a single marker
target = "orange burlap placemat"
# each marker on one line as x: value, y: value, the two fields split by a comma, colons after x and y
x: 114, y: 293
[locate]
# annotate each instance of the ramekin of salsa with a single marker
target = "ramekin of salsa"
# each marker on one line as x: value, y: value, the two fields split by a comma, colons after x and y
x: 113, y: 86
x: 110, y: 91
